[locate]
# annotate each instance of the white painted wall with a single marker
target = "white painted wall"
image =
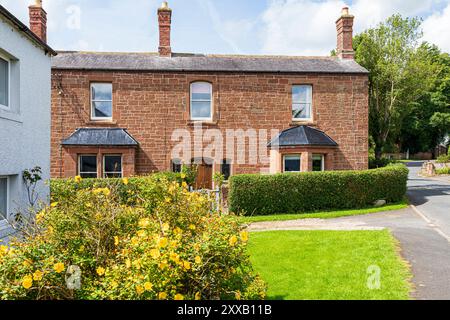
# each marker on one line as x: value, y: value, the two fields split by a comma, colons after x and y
x: 25, y: 130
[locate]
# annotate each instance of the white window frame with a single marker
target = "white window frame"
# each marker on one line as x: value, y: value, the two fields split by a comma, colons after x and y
x: 5, y: 221
x: 210, y: 101
x: 323, y: 160
x: 300, y: 102
x: 8, y: 106
x: 291, y: 155
x: 93, y: 117
x: 104, y: 173
x: 79, y: 163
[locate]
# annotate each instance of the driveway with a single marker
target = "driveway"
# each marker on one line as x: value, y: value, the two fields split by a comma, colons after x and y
x: 423, y: 231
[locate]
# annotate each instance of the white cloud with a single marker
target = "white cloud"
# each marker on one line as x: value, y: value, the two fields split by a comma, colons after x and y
x: 436, y: 28
x: 307, y: 27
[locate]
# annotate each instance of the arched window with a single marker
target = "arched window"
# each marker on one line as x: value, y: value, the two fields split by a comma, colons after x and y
x: 201, y: 101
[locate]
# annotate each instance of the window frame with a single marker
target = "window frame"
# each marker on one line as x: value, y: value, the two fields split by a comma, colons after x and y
x: 104, y: 173
x: 8, y: 61
x: 299, y: 102
x: 176, y: 162
x: 291, y: 155
x: 211, y: 101
x: 4, y: 221
x: 79, y: 164
x: 93, y: 117
x: 323, y: 161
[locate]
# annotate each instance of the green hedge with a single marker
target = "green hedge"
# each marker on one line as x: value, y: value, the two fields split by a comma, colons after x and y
x: 313, y: 191
x: 65, y: 188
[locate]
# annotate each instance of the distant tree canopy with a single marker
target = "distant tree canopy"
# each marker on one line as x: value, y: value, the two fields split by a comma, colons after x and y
x: 409, y: 92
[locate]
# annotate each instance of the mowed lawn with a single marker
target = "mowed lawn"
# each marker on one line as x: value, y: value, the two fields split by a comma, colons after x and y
x: 330, y: 265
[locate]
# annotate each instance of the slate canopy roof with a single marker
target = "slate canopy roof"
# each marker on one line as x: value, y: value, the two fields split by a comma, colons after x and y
x: 303, y: 136
x: 77, y: 60
x: 108, y: 137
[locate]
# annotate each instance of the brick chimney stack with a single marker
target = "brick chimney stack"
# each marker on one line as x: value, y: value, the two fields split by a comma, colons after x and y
x: 38, y: 20
x: 344, y: 27
x: 165, y: 21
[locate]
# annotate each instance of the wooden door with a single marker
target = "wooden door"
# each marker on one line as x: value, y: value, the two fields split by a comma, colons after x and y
x: 204, y: 176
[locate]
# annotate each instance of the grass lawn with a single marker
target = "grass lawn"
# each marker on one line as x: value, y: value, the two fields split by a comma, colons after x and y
x: 325, y: 214
x: 329, y: 265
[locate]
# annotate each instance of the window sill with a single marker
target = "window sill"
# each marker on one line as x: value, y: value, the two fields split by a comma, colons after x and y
x: 101, y: 122
x: 296, y: 123
x: 203, y: 122
x: 8, y: 115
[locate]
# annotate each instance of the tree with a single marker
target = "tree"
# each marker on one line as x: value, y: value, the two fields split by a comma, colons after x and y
x: 399, y: 75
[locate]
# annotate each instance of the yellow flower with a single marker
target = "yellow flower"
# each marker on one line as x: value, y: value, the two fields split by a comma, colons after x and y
x: 125, y: 181
x: 163, y: 242
x: 177, y: 231
x: 137, y: 264
x: 174, y: 257
x: 128, y: 263
x: 183, y: 176
x: 78, y: 179
x: 197, y: 247
x: 187, y: 265
x: 116, y: 241
x: 144, y: 223
x: 54, y: 204
x: 244, y: 236
x: 141, y: 234
x: 37, y: 275
x: 233, y: 241
x: 238, y: 295
x: 59, y: 267
x: 101, y: 271
x: 198, y: 296
x: 184, y: 185
x: 192, y: 227
x: 106, y: 191
x: 27, y: 282
x: 3, y: 250
x: 165, y: 227
x: 168, y: 200
x: 162, y: 296
x: 198, y: 260
x: 163, y: 265
x: 179, y: 297
x: 148, y: 286
x: 140, y: 290
x: 155, y: 254
x: 173, y: 244
x: 27, y: 263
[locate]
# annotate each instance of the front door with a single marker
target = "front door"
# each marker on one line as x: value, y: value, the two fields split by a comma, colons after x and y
x: 204, y: 176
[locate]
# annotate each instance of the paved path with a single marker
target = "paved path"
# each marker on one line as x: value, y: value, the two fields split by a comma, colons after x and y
x: 423, y: 231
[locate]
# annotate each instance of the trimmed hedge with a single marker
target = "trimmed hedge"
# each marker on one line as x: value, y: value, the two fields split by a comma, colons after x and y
x: 66, y: 188
x: 313, y: 191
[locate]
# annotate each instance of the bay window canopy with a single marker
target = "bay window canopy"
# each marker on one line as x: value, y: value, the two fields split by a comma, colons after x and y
x: 302, y: 136
x: 108, y: 137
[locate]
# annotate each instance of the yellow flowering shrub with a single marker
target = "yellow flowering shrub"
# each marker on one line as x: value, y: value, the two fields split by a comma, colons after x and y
x: 151, y: 248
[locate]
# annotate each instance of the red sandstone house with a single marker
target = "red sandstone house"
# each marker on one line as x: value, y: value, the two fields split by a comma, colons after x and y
x: 113, y: 114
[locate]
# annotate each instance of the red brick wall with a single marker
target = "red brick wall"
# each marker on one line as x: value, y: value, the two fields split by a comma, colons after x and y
x: 151, y: 105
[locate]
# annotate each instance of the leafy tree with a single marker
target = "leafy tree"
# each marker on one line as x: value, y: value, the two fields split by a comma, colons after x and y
x: 399, y: 75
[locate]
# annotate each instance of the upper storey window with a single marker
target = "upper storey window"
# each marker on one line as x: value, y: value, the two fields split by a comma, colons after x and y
x: 302, y: 102
x: 101, y: 101
x: 4, y: 83
x: 201, y: 101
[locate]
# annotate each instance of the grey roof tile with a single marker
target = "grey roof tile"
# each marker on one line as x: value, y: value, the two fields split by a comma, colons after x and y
x: 203, y: 63
x: 100, y: 137
x: 303, y: 136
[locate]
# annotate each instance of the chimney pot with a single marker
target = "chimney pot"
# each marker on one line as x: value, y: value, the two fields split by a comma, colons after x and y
x: 165, y: 22
x: 344, y: 26
x: 38, y: 20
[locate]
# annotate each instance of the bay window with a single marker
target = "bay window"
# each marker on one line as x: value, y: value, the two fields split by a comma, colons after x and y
x: 87, y: 166
x: 318, y: 162
x: 292, y: 163
x: 112, y: 166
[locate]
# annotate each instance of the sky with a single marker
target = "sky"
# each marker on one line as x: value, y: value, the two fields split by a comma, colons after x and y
x: 275, y: 27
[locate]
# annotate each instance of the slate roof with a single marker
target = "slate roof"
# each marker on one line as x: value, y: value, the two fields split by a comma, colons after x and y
x: 303, y: 136
x: 204, y: 63
x: 114, y: 137
x: 23, y: 28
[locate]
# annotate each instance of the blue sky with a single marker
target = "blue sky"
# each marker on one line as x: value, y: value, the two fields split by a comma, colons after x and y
x: 294, y: 27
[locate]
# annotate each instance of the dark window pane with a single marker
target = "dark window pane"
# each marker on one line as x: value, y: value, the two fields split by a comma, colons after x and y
x: 318, y: 163
x: 226, y: 169
x: 3, y: 198
x: 88, y: 164
x: 4, y: 82
x: 176, y: 166
x: 101, y: 91
x: 102, y: 109
x: 113, y: 164
x: 292, y: 163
